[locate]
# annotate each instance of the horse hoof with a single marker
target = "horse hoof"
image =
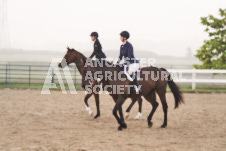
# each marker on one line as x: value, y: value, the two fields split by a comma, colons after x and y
x: 163, y: 126
x: 96, y: 116
x: 126, y: 115
x: 91, y: 114
x: 150, y: 124
x: 120, y: 128
x: 124, y: 125
x: 138, y: 116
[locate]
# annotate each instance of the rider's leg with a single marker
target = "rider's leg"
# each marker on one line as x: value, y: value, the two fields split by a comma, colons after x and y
x: 136, y: 82
x: 132, y: 70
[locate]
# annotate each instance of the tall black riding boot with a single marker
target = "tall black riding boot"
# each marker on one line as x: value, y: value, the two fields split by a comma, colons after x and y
x: 136, y: 83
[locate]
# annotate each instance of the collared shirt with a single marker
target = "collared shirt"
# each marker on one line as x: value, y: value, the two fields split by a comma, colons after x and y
x: 126, y: 51
x: 124, y: 42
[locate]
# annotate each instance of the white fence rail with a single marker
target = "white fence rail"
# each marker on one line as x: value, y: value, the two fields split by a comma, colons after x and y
x: 179, y: 76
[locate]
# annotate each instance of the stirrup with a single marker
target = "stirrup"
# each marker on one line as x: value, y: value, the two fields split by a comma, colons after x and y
x: 137, y: 89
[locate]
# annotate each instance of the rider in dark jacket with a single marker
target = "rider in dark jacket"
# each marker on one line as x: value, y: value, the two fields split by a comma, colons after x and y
x: 97, y: 52
x: 126, y: 51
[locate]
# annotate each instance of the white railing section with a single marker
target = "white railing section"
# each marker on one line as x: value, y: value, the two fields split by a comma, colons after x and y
x: 194, y: 72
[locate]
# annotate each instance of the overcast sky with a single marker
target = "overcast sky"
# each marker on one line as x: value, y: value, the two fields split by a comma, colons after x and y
x: 161, y: 26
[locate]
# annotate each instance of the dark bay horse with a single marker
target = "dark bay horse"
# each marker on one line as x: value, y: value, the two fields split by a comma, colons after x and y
x: 73, y: 56
x: 149, y: 85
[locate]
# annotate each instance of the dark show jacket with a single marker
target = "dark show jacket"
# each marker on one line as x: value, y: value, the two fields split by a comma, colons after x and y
x: 97, y: 52
x: 126, y: 51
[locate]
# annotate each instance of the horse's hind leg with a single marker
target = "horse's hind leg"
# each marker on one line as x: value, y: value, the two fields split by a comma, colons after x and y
x: 151, y: 97
x: 162, y: 96
x: 88, y: 109
x: 140, y: 105
x: 139, y: 114
x: 97, y: 105
x: 129, y: 108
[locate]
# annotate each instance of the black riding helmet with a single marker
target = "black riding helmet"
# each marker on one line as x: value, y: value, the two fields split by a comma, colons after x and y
x: 94, y: 34
x: 125, y: 34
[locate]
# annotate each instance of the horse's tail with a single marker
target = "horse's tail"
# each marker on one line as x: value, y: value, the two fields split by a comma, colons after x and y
x: 175, y: 90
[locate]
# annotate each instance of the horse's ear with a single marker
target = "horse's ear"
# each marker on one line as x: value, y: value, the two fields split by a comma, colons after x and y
x: 68, y: 48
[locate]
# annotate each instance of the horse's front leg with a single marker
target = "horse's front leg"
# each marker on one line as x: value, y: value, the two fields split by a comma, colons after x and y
x: 129, y: 108
x: 118, y: 107
x: 124, y: 125
x: 88, y: 109
x: 139, y: 114
x: 97, y: 105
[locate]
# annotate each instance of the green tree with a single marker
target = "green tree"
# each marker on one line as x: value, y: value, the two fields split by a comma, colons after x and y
x: 213, y: 52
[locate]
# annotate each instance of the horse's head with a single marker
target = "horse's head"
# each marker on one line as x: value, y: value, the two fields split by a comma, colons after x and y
x: 73, y: 56
x: 69, y: 57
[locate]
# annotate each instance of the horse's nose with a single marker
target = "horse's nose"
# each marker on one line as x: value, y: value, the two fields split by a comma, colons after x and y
x: 59, y: 65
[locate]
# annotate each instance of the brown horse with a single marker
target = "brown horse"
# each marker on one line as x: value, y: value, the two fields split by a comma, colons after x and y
x: 149, y: 84
x: 73, y: 56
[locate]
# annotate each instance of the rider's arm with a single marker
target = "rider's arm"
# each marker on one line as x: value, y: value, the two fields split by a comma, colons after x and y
x: 120, y: 56
x: 93, y: 54
x: 130, y: 52
x: 129, y: 57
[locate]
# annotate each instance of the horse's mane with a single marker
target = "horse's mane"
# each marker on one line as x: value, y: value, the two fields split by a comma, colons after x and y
x: 106, y: 63
x: 73, y: 50
x: 79, y: 64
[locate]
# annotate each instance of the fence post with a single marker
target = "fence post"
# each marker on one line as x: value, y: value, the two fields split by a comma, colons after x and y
x: 75, y: 77
x: 52, y: 80
x: 193, y: 78
x: 9, y: 73
x: 29, y: 76
x: 6, y: 76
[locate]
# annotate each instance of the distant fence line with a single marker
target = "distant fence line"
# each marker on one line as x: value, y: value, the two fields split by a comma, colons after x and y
x: 33, y: 75
x: 27, y: 73
x: 30, y: 74
x: 167, y: 66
